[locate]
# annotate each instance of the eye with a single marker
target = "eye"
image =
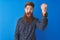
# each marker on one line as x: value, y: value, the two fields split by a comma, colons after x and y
x: 27, y: 8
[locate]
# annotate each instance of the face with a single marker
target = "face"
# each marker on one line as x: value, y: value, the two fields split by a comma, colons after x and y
x: 28, y: 10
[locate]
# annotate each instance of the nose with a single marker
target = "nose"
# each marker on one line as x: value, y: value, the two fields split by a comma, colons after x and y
x: 29, y: 10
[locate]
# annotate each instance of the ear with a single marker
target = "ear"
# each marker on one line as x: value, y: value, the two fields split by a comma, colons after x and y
x: 32, y: 10
x: 24, y: 9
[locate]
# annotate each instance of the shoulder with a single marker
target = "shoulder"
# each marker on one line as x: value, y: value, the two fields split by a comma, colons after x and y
x: 35, y: 19
x: 20, y: 19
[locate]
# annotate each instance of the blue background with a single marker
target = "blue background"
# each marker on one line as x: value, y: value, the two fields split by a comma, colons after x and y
x: 11, y: 10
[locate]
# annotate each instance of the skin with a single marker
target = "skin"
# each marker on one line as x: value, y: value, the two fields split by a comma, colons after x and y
x: 29, y: 9
x: 44, y: 8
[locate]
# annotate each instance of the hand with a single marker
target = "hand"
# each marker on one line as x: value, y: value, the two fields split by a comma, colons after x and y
x: 44, y: 8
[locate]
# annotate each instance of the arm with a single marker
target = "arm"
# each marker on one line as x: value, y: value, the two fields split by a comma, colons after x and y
x: 44, y: 21
x: 17, y: 32
x: 42, y: 25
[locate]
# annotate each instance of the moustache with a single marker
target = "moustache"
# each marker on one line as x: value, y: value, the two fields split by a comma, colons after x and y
x: 30, y: 18
x: 29, y: 13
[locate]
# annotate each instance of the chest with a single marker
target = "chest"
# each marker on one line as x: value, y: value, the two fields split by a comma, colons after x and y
x: 27, y: 27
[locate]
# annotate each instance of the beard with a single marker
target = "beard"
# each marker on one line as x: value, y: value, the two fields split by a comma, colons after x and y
x: 28, y: 17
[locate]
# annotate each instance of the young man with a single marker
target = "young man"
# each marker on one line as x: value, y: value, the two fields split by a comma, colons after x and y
x: 25, y: 29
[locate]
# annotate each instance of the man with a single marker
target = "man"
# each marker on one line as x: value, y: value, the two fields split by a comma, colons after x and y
x: 25, y: 29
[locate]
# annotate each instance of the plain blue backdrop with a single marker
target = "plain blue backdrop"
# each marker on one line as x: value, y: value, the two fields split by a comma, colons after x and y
x: 11, y: 10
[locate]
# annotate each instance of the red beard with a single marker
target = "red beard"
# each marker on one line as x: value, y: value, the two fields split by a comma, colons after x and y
x: 28, y: 17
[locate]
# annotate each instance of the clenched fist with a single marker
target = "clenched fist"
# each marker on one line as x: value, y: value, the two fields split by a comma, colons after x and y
x: 44, y: 8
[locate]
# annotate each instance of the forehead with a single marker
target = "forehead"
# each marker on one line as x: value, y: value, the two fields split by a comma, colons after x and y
x: 29, y: 6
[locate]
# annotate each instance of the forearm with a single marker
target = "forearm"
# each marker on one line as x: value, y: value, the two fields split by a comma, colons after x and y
x: 43, y: 23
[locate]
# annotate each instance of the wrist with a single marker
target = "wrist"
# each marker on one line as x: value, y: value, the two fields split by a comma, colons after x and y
x: 45, y: 14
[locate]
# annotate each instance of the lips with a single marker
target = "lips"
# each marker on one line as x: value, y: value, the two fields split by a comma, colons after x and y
x: 28, y: 13
x: 28, y: 17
